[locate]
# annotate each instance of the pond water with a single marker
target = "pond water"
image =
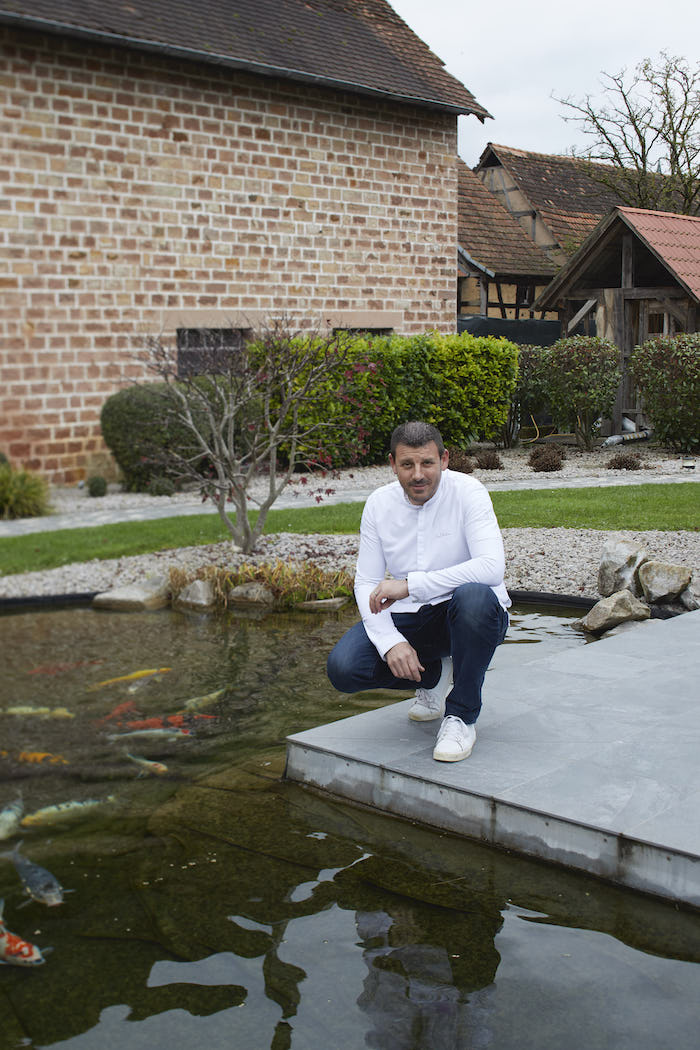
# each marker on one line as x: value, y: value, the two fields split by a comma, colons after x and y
x: 217, y: 905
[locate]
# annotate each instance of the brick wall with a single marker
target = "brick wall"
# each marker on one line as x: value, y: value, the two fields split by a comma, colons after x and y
x: 140, y: 194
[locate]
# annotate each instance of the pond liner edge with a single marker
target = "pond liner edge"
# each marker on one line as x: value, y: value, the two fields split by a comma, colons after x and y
x: 86, y: 597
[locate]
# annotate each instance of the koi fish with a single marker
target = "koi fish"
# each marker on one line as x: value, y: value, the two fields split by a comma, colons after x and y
x: 62, y: 811
x: 116, y: 713
x: 38, y: 883
x: 159, y: 734
x: 130, y: 677
x: 197, y: 702
x: 9, y: 818
x: 37, y: 757
x: 16, y: 951
x: 147, y: 766
x: 179, y: 721
x: 38, y: 712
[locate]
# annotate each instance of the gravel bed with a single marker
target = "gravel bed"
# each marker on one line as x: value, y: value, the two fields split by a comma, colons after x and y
x: 557, y: 560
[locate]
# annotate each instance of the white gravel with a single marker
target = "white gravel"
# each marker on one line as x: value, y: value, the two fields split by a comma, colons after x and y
x: 556, y: 560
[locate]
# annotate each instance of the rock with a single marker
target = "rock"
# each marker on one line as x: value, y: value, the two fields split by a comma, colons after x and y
x: 251, y: 594
x: 152, y: 593
x: 619, y: 564
x: 690, y: 597
x: 662, y: 582
x: 197, y: 595
x: 615, y: 609
x: 322, y: 604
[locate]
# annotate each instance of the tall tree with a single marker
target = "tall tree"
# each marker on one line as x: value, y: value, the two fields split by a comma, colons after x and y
x: 646, y: 130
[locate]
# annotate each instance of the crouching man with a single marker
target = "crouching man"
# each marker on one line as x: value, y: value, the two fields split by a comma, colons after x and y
x: 440, y: 615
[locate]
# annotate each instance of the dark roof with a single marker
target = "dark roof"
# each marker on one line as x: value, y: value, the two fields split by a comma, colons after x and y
x: 561, y: 189
x: 666, y: 240
x: 355, y: 45
x: 491, y: 236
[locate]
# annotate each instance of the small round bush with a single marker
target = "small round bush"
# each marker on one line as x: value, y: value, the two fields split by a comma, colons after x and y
x: 4, y: 461
x: 545, y: 457
x: 489, y: 460
x: 96, y: 486
x: 625, y: 461
x: 460, y: 461
x: 161, y: 486
x: 22, y: 494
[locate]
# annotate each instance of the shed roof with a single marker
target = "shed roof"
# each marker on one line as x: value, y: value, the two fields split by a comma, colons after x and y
x: 672, y: 240
x: 355, y: 45
x: 491, y: 236
x: 561, y: 189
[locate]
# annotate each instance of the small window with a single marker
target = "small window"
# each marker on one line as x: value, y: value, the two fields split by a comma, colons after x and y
x: 207, y: 351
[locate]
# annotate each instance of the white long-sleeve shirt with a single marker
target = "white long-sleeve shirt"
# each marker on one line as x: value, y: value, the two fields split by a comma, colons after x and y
x: 451, y: 539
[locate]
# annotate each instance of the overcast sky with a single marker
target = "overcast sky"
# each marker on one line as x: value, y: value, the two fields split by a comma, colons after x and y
x: 513, y: 55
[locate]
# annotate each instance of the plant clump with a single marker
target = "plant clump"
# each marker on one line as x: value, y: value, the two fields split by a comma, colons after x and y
x: 290, y: 583
x: 159, y: 485
x: 460, y: 461
x: 489, y: 460
x: 545, y: 458
x: 625, y: 461
x: 22, y: 493
x: 96, y: 486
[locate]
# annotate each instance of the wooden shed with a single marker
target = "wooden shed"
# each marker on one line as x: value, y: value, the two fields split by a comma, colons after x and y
x: 638, y: 275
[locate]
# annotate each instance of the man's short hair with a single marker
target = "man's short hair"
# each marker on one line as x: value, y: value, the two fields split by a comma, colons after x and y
x: 416, y: 434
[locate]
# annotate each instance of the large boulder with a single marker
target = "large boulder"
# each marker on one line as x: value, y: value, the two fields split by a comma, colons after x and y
x: 619, y: 565
x: 662, y: 582
x: 151, y: 593
x: 197, y: 595
x: 612, y: 610
x: 252, y: 593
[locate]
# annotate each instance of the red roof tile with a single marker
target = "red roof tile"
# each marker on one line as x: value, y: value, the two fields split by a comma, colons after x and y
x: 674, y: 239
x: 354, y: 45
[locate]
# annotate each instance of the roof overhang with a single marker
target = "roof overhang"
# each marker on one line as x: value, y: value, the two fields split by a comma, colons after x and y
x: 25, y: 21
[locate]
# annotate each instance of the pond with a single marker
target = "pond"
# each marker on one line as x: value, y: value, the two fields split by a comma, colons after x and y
x: 217, y: 904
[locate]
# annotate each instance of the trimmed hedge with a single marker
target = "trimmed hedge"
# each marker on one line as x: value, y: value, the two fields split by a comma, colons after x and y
x: 666, y: 371
x: 581, y: 378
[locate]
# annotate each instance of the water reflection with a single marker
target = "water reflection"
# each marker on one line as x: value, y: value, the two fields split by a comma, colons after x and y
x: 219, y: 905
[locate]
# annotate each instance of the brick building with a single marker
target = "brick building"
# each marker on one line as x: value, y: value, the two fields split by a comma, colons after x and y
x: 168, y: 168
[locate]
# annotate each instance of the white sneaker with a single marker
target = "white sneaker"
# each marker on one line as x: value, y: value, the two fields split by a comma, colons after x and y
x: 430, y: 703
x: 455, y: 740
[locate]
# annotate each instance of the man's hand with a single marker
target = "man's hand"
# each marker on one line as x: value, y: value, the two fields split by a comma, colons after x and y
x: 403, y: 661
x: 386, y: 593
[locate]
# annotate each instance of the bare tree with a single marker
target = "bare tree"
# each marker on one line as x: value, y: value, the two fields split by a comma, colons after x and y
x: 646, y: 133
x: 255, y: 408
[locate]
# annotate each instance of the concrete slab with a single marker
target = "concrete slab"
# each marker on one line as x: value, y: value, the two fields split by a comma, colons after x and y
x: 587, y: 757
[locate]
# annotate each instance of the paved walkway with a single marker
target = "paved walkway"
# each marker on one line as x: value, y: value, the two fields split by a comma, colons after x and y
x: 149, y: 508
x: 588, y: 758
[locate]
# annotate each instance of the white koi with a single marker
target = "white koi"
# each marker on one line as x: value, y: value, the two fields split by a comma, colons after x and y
x: 9, y: 817
x: 147, y: 765
x: 63, y: 811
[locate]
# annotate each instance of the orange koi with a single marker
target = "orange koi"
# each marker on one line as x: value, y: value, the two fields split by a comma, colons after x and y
x: 15, y: 950
x: 36, y: 757
x: 117, y: 712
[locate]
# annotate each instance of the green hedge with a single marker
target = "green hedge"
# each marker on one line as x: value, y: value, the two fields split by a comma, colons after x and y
x: 460, y: 383
x: 666, y: 371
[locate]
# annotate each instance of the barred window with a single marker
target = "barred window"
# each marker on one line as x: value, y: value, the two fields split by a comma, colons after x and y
x: 202, y: 351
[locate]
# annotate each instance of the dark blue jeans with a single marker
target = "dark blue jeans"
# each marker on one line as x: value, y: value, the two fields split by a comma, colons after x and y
x: 468, y: 627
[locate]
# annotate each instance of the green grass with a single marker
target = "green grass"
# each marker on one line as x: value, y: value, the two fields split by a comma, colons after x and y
x: 638, y: 507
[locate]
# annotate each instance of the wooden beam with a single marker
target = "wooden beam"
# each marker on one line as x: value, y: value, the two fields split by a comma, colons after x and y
x: 587, y: 306
x: 680, y: 315
x: 627, y: 272
x: 628, y: 293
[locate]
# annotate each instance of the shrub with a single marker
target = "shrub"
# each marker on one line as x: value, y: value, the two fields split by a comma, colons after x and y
x: 666, y: 371
x: 22, y: 494
x: 139, y: 426
x: 161, y: 486
x: 96, y: 486
x: 625, y: 461
x: 4, y: 461
x: 529, y: 394
x: 581, y: 377
x: 460, y: 461
x: 489, y: 460
x: 545, y: 457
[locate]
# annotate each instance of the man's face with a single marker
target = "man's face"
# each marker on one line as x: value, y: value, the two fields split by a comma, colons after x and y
x: 419, y: 470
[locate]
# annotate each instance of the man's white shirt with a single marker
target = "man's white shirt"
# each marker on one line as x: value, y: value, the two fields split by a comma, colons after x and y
x: 451, y: 539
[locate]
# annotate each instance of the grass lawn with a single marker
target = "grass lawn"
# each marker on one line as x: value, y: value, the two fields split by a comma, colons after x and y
x: 638, y: 507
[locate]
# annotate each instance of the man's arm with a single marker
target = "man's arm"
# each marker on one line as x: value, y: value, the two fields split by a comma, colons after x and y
x: 370, y: 577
